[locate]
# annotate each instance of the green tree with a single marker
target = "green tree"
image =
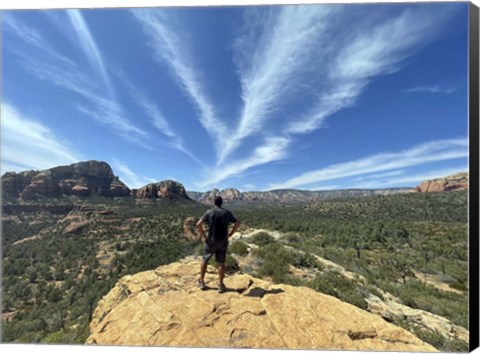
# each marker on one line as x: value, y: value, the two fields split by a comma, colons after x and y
x: 403, y: 265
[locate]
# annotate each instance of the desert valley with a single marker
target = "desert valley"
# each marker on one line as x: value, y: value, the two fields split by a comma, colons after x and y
x: 86, y: 259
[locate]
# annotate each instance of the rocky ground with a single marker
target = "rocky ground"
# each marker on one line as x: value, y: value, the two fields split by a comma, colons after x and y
x: 388, y: 306
x: 163, y: 307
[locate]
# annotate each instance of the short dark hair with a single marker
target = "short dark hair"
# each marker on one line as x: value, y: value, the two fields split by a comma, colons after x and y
x: 218, y: 201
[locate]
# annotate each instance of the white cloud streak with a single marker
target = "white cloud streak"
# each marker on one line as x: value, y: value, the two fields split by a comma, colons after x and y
x: 422, y: 154
x: 170, y: 50
x: 274, y: 149
x: 130, y: 178
x: 89, y: 46
x: 63, y: 76
x: 370, y: 53
x: 432, y: 89
x: 298, y: 57
x: 33, y: 38
x: 106, y: 113
x: 381, y: 175
x: 102, y: 109
x: 275, y: 67
x: 28, y: 144
x: 428, y: 175
x: 157, y: 118
x: 28, y: 34
x: 324, y: 188
x: 411, y: 180
x: 108, y: 110
x: 100, y: 103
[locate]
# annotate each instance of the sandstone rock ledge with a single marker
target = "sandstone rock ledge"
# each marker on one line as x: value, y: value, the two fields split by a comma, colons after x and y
x: 164, y: 308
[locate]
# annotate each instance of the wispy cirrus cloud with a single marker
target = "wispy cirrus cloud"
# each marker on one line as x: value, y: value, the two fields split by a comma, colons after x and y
x: 274, y: 58
x: 299, y: 57
x: 418, y: 155
x: 99, y: 100
x: 28, y: 34
x: 410, y: 180
x: 170, y: 50
x: 322, y: 187
x: 108, y: 114
x: 432, y: 89
x: 108, y: 111
x: 130, y: 178
x: 157, y: 118
x: 380, y: 175
x: 89, y: 46
x: 63, y: 76
x: 273, y: 149
x: 28, y: 144
x: 33, y: 38
x: 160, y: 122
x: 96, y: 106
x: 427, y: 175
x: 373, y: 52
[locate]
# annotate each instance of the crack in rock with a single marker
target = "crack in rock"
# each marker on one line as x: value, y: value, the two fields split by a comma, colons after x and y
x: 357, y: 335
x: 259, y: 313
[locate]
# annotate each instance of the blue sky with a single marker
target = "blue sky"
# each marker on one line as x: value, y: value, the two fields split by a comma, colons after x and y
x: 254, y: 98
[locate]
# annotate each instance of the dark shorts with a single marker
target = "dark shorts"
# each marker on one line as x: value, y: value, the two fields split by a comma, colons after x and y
x: 217, y: 249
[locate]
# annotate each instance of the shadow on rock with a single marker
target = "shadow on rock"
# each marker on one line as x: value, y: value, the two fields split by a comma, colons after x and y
x: 259, y: 292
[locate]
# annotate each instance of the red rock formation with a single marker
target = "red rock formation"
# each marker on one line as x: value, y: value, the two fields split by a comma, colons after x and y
x: 118, y: 189
x: 147, y: 192
x: 162, y: 190
x: 458, y: 181
x: 83, y: 178
x: 231, y: 194
x: 171, y: 189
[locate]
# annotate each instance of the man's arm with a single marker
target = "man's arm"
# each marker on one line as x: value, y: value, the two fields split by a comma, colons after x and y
x: 234, y: 229
x: 200, y: 228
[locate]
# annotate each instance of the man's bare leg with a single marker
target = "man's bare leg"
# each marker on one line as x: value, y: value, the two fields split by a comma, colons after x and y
x: 221, y: 275
x: 203, y: 270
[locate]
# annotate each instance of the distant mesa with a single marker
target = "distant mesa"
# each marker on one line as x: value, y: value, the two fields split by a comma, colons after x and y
x: 96, y: 178
x: 458, y: 181
x: 289, y: 196
x: 81, y: 179
x: 228, y: 195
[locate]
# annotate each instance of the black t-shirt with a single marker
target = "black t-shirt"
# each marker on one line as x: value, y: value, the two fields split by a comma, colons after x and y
x: 218, y: 220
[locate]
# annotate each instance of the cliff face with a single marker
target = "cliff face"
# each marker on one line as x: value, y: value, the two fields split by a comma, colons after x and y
x: 83, y: 179
x: 166, y: 189
x: 164, y: 308
x: 457, y: 181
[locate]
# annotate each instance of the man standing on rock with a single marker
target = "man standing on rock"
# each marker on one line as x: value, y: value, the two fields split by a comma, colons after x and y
x: 218, y: 220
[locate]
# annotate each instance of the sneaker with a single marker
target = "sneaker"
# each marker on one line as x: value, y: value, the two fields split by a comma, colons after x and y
x: 201, y: 285
x: 222, y: 288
